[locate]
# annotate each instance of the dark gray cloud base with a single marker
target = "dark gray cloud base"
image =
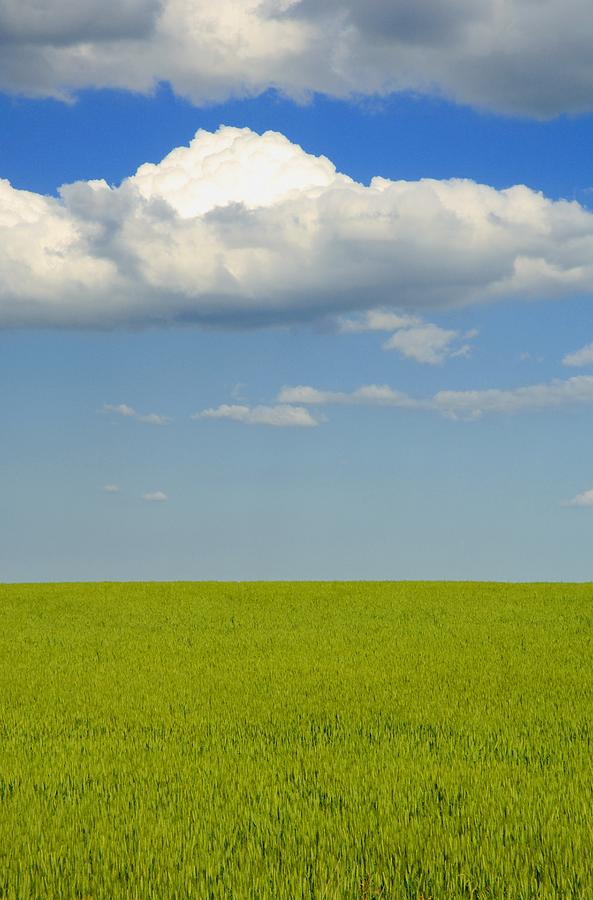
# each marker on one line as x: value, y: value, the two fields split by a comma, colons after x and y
x: 66, y: 22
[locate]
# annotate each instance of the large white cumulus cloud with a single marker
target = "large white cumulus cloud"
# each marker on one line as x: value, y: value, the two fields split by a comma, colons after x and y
x: 516, y: 56
x: 240, y: 228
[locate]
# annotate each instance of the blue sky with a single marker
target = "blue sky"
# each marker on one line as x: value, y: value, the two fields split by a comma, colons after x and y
x: 239, y: 364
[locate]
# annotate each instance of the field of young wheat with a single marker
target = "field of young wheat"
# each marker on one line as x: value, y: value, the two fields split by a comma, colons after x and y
x: 287, y: 741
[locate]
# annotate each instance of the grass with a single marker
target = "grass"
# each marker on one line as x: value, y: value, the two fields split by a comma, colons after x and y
x: 296, y: 740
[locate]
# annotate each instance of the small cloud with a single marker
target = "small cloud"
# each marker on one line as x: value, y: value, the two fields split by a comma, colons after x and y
x: 582, y: 357
x: 128, y: 412
x: 282, y: 415
x: 429, y: 343
x: 111, y: 488
x: 584, y: 499
x: 414, y: 338
x: 155, y: 497
x: 122, y: 409
x: 377, y: 320
x: 302, y: 393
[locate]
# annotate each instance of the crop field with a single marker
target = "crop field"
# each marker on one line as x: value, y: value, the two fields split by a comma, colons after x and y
x: 296, y: 740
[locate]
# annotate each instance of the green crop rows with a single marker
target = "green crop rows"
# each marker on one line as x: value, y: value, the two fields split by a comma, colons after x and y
x: 293, y: 741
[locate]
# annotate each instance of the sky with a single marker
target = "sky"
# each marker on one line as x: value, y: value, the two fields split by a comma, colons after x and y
x: 293, y: 290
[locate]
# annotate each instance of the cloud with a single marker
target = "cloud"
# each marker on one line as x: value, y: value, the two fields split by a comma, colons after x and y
x: 111, y: 488
x: 245, y: 229
x: 414, y: 338
x: 516, y: 57
x: 554, y: 394
x: 368, y: 395
x: 582, y: 357
x: 429, y: 343
x: 122, y: 409
x: 584, y: 499
x: 281, y: 415
x: 153, y: 419
x: 377, y: 320
x: 237, y: 391
x: 64, y: 24
x: 460, y: 405
x: 155, y: 497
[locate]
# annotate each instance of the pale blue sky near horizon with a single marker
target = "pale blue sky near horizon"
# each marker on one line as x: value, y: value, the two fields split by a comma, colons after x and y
x: 373, y: 490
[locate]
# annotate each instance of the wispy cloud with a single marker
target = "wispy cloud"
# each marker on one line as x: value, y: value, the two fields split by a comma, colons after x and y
x: 555, y: 394
x: 368, y: 395
x: 281, y: 415
x: 111, y: 488
x: 467, y: 404
x: 376, y: 320
x: 155, y: 497
x: 237, y: 391
x: 122, y: 409
x: 582, y: 357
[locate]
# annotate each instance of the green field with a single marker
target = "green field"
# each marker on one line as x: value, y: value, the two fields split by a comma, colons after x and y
x: 296, y: 740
